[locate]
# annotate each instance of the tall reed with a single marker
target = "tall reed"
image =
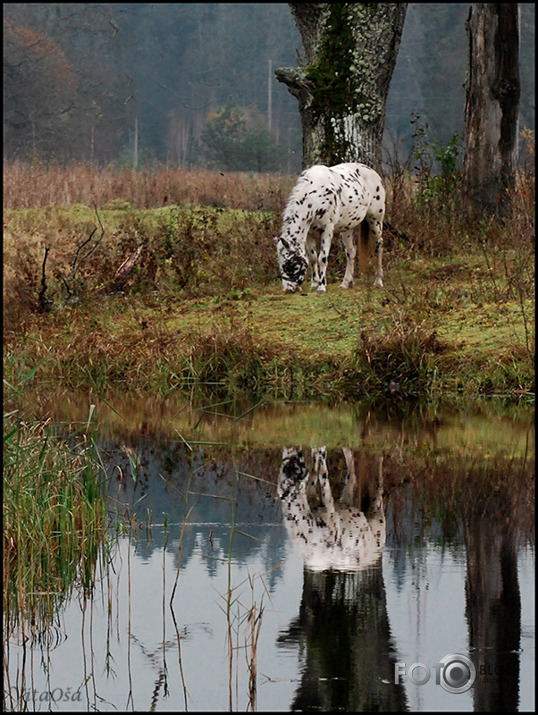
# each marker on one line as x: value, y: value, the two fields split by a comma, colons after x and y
x: 54, y: 521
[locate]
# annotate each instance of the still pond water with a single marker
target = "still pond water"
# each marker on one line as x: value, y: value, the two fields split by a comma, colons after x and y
x: 296, y: 557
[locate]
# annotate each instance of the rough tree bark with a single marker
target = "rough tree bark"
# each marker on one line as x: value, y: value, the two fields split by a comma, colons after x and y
x: 492, y: 105
x: 343, y: 82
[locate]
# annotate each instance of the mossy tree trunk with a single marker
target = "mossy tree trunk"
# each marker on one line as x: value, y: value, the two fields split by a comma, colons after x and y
x: 492, y: 106
x: 343, y: 83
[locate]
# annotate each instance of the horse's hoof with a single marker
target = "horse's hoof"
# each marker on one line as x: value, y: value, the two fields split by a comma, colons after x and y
x: 378, y: 283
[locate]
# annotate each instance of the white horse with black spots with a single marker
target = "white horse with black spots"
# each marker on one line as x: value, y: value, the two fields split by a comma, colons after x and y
x: 330, y: 200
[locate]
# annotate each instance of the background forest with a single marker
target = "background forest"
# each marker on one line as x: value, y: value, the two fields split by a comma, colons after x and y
x: 193, y: 85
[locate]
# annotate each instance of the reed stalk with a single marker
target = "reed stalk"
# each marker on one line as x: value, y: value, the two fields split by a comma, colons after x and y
x: 55, y: 520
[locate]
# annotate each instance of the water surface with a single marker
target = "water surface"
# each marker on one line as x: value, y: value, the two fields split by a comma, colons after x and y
x: 298, y: 557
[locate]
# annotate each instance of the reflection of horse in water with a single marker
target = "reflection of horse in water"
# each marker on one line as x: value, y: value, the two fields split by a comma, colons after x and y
x: 330, y: 533
x: 342, y: 630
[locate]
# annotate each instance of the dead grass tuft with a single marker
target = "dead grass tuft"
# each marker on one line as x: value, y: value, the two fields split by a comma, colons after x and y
x: 402, y: 362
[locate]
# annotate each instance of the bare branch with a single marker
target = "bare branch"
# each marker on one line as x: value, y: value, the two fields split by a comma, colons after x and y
x: 75, y: 267
x: 44, y: 303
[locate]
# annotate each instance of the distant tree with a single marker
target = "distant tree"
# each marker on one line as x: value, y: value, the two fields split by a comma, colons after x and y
x: 350, y: 54
x: 223, y: 136
x: 492, y: 106
x: 39, y: 88
x: 63, y: 102
x: 261, y: 151
x: 236, y: 140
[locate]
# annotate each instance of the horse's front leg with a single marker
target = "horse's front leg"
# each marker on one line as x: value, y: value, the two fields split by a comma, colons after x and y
x: 312, y: 261
x: 323, y: 258
x: 351, y: 251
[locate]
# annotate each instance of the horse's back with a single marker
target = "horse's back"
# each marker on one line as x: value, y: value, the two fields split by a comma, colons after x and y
x: 362, y: 174
x: 341, y: 196
x: 322, y: 177
x: 318, y: 176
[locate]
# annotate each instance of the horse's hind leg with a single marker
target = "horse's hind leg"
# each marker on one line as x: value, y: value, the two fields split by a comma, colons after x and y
x: 363, y: 232
x: 376, y: 227
x: 312, y: 261
x: 326, y: 239
x: 349, y: 247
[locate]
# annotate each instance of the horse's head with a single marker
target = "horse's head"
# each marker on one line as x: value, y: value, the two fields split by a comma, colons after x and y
x: 292, y: 472
x: 293, y: 264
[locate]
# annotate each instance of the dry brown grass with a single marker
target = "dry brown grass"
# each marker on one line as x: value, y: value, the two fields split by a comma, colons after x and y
x: 38, y: 185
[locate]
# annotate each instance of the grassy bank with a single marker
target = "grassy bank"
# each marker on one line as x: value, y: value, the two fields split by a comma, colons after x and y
x: 187, y: 298
x: 419, y: 338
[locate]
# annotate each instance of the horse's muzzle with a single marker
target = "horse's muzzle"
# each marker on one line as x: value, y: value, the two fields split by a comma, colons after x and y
x: 290, y: 287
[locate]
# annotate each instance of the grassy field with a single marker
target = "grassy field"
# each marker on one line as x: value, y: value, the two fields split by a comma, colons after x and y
x: 139, y: 294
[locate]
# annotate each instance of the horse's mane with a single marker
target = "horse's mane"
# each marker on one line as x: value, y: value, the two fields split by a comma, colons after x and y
x: 296, y: 195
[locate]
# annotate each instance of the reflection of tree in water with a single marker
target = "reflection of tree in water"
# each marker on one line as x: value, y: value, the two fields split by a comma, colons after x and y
x: 493, y: 598
x: 342, y: 627
x: 344, y: 632
x: 493, y: 613
x: 209, y: 493
x: 484, y: 506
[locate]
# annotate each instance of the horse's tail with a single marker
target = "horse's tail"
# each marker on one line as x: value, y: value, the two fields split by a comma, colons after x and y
x: 364, y: 247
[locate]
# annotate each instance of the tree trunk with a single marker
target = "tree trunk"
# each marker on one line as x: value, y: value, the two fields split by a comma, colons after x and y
x: 492, y: 106
x: 342, y: 85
